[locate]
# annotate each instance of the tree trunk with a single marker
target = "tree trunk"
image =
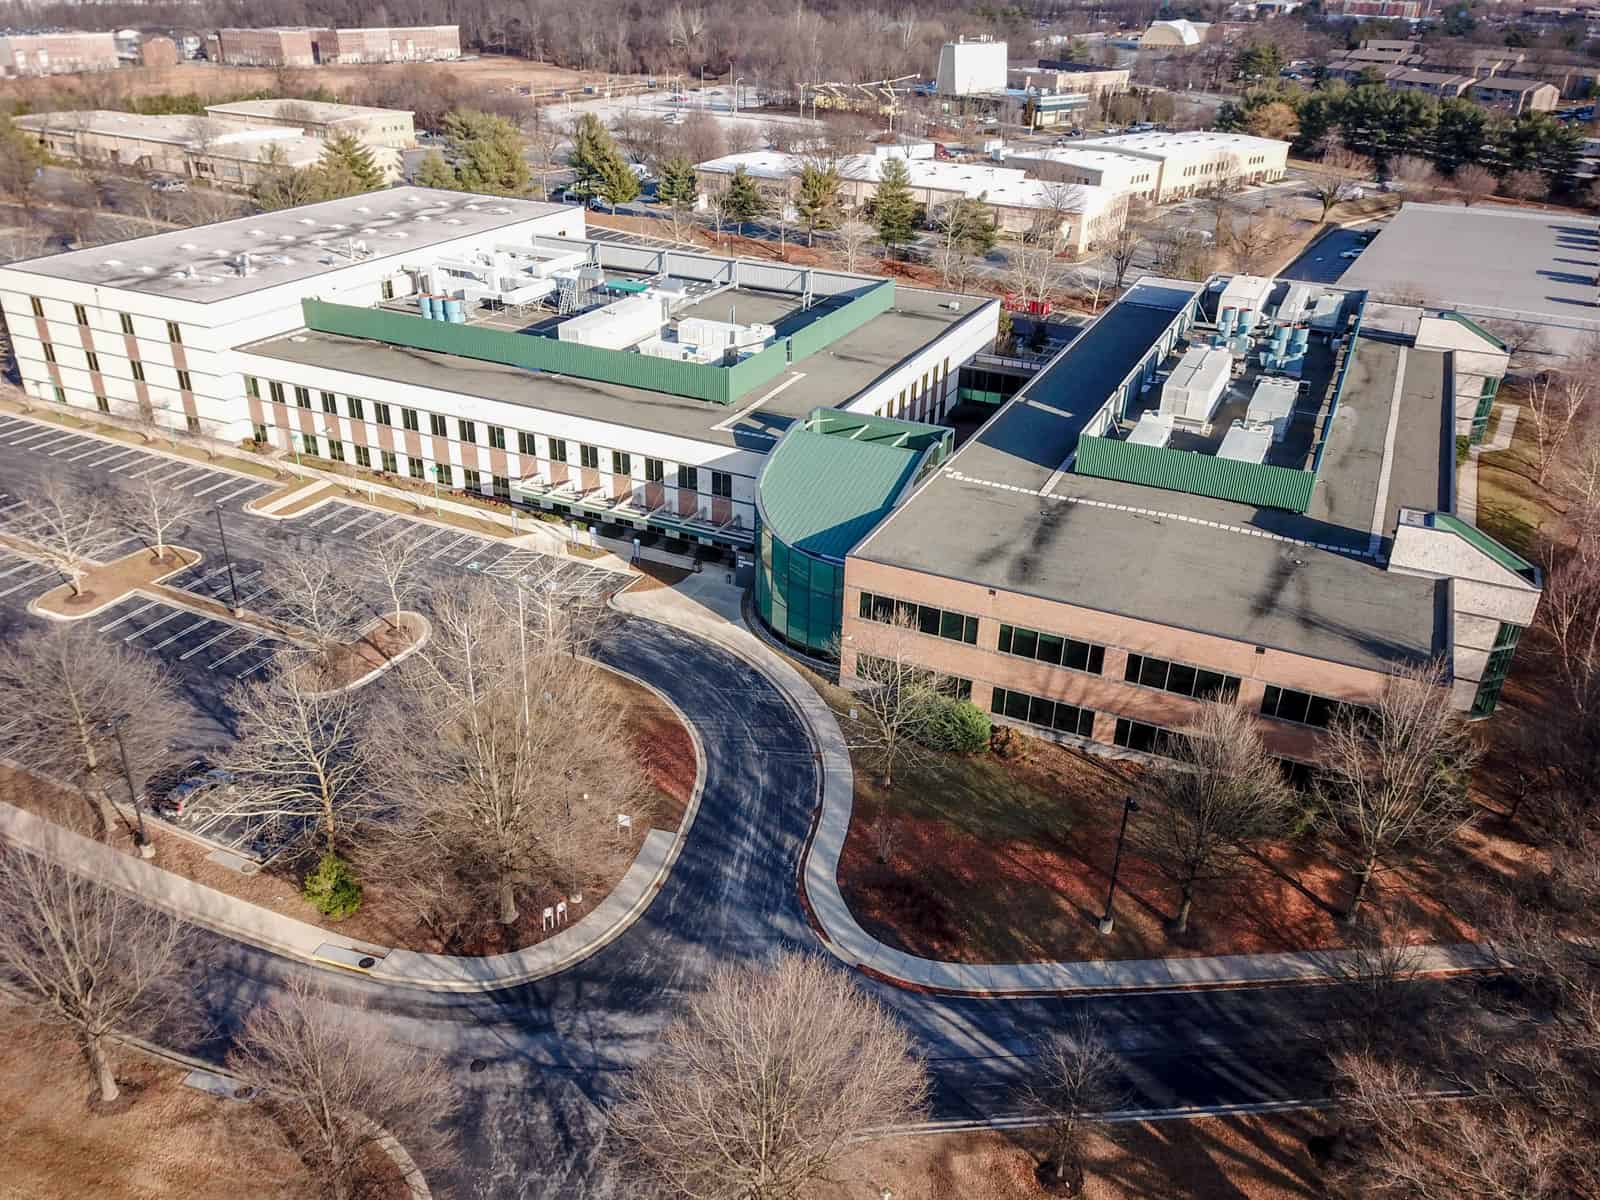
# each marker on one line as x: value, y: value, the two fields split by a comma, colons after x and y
x: 1181, y: 925
x: 100, y: 1064
x: 75, y: 581
x: 508, y: 900
x: 1363, y: 879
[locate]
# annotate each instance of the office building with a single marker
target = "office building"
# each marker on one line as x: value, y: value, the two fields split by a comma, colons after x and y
x: 24, y: 55
x: 1160, y: 167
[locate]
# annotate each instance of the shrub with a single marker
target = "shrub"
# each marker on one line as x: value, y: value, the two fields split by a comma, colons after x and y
x: 332, y: 888
x: 955, y: 725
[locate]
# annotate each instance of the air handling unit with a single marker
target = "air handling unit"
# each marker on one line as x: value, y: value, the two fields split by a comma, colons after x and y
x: 1194, y: 390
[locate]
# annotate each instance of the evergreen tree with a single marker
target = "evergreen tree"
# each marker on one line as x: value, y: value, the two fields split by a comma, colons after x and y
x: 434, y: 172
x: 598, y: 163
x: 278, y: 185
x: 678, y: 188
x: 488, y: 153
x: 21, y: 156
x: 817, y: 201
x: 618, y: 182
x: 894, y: 207
x: 743, y: 201
x: 1459, y: 134
x: 347, y: 167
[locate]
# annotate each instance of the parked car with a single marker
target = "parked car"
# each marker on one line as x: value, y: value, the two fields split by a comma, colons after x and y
x: 180, y: 798
x: 1350, y: 254
x: 168, y: 185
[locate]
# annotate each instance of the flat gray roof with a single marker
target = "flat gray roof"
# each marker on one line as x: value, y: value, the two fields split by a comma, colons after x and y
x: 288, y: 245
x: 1302, y: 583
x: 1491, y: 262
x: 830, y: 377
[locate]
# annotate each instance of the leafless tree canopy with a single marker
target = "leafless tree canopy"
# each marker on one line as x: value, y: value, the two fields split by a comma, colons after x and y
x: 76, y: 528
x: 61, y: 687
x: 87, y: 960
x: 315, y: 596
x: 854, y: 236
x: 1394, y: 776
x: 895, y: 704
x: 1218, y: 791
x: 154, y: 509
x: 392, y: 563
x: 337, y: 1089
x: 505, y: 761
x: 757, y: 1087
x: 1078, y: 1081
x: 1473, y: 183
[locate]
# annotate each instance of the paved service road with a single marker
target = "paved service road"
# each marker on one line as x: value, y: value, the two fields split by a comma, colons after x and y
x: 1322, y: 261
x: 549, y: 1052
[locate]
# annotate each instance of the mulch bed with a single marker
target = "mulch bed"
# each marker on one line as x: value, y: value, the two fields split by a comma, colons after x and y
x: 106, y: 584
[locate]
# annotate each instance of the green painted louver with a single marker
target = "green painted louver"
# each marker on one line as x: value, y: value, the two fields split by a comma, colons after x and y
x: 1486, y: 545
x: 1198, y: 474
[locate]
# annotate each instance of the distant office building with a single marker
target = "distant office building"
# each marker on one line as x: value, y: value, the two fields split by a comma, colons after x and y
x: 265, y: 47
x: 383, y: 131
x: 1060, y: 77
x: 1379, y: 10
x: 971, y: 68
x: 1159, y: 167
x: 56, y: 54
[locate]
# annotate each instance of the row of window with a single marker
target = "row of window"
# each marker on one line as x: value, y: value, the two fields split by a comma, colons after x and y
x: 185, y: 380
x: 883, y: 670
x: 655, y: 469
x: 1049, y: 648
x: 1037, y: 710
x: 924, y: 618
x: 1180, y: 678
x: 80, y: 314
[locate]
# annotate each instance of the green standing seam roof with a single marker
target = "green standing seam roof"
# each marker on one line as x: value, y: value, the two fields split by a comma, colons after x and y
x: 1486, y: 545
x: 1463, y: 319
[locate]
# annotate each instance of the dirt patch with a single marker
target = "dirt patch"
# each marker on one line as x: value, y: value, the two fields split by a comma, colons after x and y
x: 106, y: 584
x: 1008, y: 861
x: 384, y: 640
x: 170, y: 1142
x: 1243, y: 1158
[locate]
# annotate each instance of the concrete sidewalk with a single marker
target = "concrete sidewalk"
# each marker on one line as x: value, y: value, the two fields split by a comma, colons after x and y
x: 710, y: 608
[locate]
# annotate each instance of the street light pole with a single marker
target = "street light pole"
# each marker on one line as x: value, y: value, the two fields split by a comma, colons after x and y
x: 438, y: 509
x: 1107, y: 921
x: 233, y: 584
x: 140, y: 837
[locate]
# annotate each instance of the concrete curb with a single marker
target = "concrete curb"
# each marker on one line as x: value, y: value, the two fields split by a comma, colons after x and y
x: 387, y: 664
x: 45, y: 614
x: 242, y: 921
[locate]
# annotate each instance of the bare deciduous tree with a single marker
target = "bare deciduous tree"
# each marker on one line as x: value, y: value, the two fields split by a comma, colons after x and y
x: 73, y: 527
x: 298, y: 762
x: 61, y: 690
x: 315, y: 596
x: 1077, y: 1082
x: 154, y: 509
x: 1125, y: 246
x: 1219, y: 790
x: 1394, y: 775
x: 393, y: 562
x: 1553, y: 402
x: 854, y: 236
x: 508, y: 763
x: 88, y: 960
x: 758, y: 1087
x: 1473, y: 183
x: 338, y: 1090
x: 1415, y: 172
x: 896, y: 698
x: 1334, y: 175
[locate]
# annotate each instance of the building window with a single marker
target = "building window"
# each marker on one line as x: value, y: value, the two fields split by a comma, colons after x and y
x: 469, y: 431
x: 138, y: 369
x: 437, y: 426
x: 38, y: 307
x: 688, y: 478
x: 444, y: 475
x: 471, y: 479
x: 308, y: 444
x: 588, y: 457
x: 1302, y: 708
x: 275, y: 390
x: 1136, y: 735
x: 1181, y: 678
x: 1047, y: 714
x: 363, y: 456
x: 924, y: 618
x: 102, y: 404
x: 49, y: 353
x: 722, y: 484
x: 174, y: 334
x: 358, y: 411
x: 252, y: 387
x: 185, y: 384
x: 94, y: 360
x: 502, y: 487
x: 127, y: 324
x: 558, y: 450
x: 1048, y: 648
x: 193, y: 425
x: 387, y: 461
x: 874, y: 669
x: 414, y: 468
x: 388, y: 289
x: 381, y: 414
x: 497, y: 437
x: 61, y: 395
x: 330, y: 403
x: 655, y: 471
x: 621, y: 463
x: 1496, y: 670
x: 408, y: 418
x: 81, y: 314
x: 526, y: 444
x: 302, y: 397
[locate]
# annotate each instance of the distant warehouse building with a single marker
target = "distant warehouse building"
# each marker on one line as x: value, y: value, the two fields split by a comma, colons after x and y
x: 263, y: 47
x: 1131, y: 534
x: 306, y: 47
x: 1159, y: 167
x: 24, y: 55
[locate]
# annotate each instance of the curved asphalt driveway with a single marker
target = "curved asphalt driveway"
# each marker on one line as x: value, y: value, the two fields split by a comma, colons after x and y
x: 536, y: 1063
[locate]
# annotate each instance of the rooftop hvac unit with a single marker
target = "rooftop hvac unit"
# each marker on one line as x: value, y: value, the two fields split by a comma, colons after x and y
x: 1246, y: 443
x: 1153, y: 429
x: 1194, y: 390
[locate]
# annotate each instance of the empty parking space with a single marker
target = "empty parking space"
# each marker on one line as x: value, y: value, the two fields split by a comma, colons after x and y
x: 23, y: 577
x: 191, y: 642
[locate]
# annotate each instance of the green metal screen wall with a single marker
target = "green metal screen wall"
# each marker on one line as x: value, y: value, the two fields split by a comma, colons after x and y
x: 1199, y: 474
x: 841, y: 321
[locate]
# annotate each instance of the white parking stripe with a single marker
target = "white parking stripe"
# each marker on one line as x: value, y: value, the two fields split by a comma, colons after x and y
x: 160, y: 466
x: 72, y: 445
x: 138, y: 460
x: 360, y: 517
x: 94, y: 448
x: 337, y: 511
x: 190, y: 475
x: 19, y: 586
x: 249, y: 487
x: 250, y: 645
x: 186, y: 629
x: 366, y: 533
x: 157, y: 624
x: 188, y: 654
x: 128, y: 616
x: 55, y: 441
x: 116, y: 458
x: 445, y: 549
x: 479, y: 549
x: 23, y: 566
x: 252, y: 670
x: 224, y: 482
x: 32, y: 437
x: 9, y: 423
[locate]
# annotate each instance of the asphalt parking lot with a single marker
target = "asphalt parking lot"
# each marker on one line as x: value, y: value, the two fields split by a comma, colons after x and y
x: 1323, y: 260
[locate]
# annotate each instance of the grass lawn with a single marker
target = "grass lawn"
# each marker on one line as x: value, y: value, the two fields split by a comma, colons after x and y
x: 1237, y: 1158
x: 1511, y: 505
